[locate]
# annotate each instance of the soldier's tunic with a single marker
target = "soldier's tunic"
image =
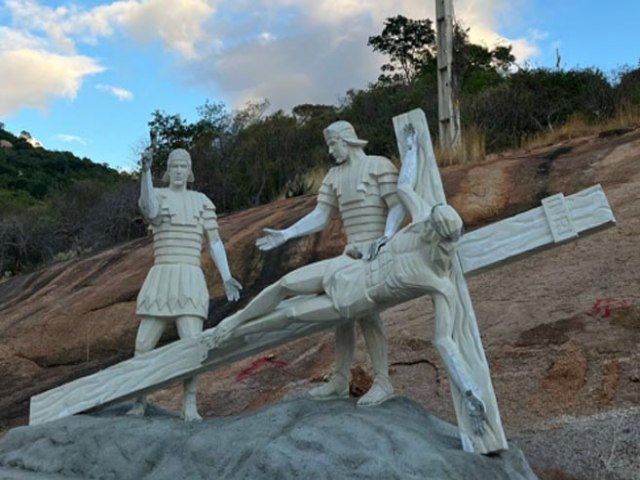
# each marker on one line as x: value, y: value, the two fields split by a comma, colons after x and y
x: 363, y: 190
x: 175, y: 285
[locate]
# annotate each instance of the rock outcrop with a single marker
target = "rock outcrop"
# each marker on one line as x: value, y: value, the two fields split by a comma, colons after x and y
x: 298, y: 439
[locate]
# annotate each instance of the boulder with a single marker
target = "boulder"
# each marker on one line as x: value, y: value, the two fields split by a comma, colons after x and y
x: 296, y: 439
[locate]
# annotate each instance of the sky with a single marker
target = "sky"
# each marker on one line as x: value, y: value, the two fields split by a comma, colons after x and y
x: 85, y: 76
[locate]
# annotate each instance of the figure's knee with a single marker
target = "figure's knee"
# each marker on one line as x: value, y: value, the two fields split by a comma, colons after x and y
x: 370, y: 322
x: 346, y: 332
x: 149, y: 333
x: 145, y: 344
x: 306, y: 280
x: 189, y: 326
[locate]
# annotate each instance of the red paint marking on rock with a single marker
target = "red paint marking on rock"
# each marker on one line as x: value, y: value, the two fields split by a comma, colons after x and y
x: 268, y: 360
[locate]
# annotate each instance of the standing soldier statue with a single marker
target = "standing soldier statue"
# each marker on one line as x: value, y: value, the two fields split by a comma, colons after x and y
x: 363, y: 189
x: 175, y: 288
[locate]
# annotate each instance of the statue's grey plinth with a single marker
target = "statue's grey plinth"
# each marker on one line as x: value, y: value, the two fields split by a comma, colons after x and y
x: 294, y: 439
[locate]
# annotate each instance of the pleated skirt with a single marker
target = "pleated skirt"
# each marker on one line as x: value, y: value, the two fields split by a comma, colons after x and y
x: 172, y: 290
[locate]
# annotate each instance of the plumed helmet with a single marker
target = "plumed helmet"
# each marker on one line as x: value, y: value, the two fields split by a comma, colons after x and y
x: 343, y: 130
x: 179, y: 154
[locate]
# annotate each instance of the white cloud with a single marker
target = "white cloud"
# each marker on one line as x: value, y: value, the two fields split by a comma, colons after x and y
x: 33, y: 78
x: 316, y: 51
x: 38, y: 52
x: 67, y: 138
x: 120, y: 93
x: 178, y: 24
x: 290, y: 51
x: 538, y: 35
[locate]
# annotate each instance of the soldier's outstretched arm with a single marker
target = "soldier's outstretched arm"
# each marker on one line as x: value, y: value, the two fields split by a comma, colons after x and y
x: 218, y: 254
x: 313, y: 222
x: 232, y: 286
x: 148, y: 201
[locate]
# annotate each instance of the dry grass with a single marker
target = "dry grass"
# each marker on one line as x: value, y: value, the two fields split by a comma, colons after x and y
x: 472, y: 149
x: 473, y: 146
x: 626, y: 116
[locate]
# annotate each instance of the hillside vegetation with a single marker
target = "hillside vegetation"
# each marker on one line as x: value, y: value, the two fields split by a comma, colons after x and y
x: 53, y: 204
x: 247, y: 157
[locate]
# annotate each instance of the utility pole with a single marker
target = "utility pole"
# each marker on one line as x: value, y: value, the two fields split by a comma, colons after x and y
x: 448, y: 112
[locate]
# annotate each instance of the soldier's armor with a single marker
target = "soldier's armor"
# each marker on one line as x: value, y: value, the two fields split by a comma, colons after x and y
x: 175, y: 285
x: 363, y: 190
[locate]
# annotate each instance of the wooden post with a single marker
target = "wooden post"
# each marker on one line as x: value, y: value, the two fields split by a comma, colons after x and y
x: 448, y: 112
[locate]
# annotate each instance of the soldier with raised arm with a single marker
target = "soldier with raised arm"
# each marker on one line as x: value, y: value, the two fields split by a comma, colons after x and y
x: 363, y: 189
x: 175, y: 288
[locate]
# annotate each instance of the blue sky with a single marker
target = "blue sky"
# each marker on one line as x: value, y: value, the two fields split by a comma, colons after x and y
x: 85, y: 75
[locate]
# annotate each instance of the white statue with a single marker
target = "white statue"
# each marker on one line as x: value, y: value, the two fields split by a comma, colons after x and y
x: 175, y: 287
x: 416, y: 261
x: 363, y: 189
x: 425, y: 257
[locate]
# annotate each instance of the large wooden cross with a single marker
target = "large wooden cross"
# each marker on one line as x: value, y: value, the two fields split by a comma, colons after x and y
x: 559, y: 219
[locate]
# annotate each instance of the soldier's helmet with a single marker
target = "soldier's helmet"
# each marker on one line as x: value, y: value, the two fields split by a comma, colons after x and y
x: 345, y: 131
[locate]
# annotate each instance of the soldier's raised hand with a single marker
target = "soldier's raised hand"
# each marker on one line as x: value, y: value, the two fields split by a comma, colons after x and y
x: 147, y: 159
x: 272, y: 239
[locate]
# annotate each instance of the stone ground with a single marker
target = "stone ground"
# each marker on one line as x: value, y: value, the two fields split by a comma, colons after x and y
x: 561, y: 328
x: 298, y: 439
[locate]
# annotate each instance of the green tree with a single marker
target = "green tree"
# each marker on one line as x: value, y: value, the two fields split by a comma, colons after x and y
x: 476, y: 67
x: 410, y: 45
x: 628, y: 87
x: 171, y: 131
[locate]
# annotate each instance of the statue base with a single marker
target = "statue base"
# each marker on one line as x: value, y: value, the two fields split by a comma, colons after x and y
x: 299, y: 438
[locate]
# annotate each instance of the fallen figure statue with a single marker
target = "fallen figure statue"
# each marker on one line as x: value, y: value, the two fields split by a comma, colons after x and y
x: 415, y: 262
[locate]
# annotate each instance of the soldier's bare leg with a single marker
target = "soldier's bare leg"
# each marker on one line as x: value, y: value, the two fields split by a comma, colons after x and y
x: 376, y: 341
x: 338, y: 385
x: 450, y: 354
x: 149, y: 333
x: 189, y: 327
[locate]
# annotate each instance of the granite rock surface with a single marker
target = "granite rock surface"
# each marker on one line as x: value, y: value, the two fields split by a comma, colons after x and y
x: 296, y: 439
